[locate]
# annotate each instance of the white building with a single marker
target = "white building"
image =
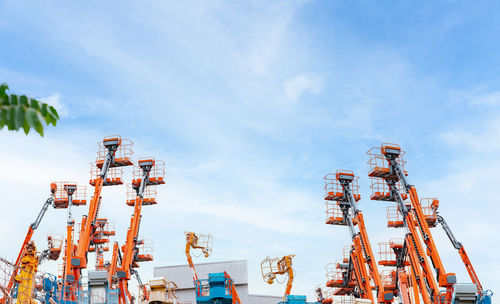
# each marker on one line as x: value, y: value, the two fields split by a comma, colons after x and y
x: 238, y: 270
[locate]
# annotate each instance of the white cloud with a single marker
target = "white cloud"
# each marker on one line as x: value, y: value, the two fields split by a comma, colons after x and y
x: 483, y: 137
x: 488, y: 99
x: 55, y: 101
x: 301, y: 84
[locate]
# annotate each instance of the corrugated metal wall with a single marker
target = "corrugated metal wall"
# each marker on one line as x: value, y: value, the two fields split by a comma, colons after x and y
x: 181, y: 275
x: 188, y: 295
x: 256, y: 299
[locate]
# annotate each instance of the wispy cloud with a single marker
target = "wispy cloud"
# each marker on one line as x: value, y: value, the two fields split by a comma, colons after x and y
x: 55, y: 101
x: 301, y: 84
x: 246, y: 135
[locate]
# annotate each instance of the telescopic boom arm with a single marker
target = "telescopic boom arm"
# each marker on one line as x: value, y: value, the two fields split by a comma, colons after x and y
x: 31, y: 229
x: 463, y: 254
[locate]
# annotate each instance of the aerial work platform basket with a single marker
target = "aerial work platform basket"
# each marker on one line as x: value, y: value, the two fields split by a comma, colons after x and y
x: 394, y: 217
x: 54, y: 244
x: 123, y: 154
x: 381, y: 191
x: 104, y: 229
x: 333, y: 188
x: 145, y: 251
x: 388, y: 278
x: 202, y: 241
x: 387, y: 254
x: 327, y: 294
x: 429, y: 208
x: 379, y: 165
x: 334, y: 215
x: 149, y: 195
x: 335, y: 277
x: 156, y: 175
x: 114, y: 176
x: 61, y: 197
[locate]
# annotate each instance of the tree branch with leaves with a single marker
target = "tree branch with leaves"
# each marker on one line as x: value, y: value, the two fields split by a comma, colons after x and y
x: 20, y: 111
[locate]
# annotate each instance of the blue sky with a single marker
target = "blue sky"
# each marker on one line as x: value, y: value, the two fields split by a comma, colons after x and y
x: 250, y: 104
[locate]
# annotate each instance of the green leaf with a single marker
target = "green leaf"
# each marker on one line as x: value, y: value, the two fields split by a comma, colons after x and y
x: 35, y: 104
x: 18, y: 112
x: 26, y: 127
x: 3, y: 88
x: 30, y: 117
x: 38, y: 125
x: 45, y: 112
x: 11, y: 118
x: 3, y: 117
x: 14, y: 99
x: 19, y: 119
x: 54, y: 112
x: 23, y: 100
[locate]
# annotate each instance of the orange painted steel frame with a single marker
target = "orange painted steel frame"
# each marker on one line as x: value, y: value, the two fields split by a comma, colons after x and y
x: 286, y: 265
x: 391, y: 153
x: 404, y: 289
x: 124, y: 272
x: 78, y: 259
x: 432, y: 251
x: 370, y: 258
x: 234, y: 293
x: 416, y: 253
x: 461, y: 250
x: 113, y: 263
x: 190, y: 241
x: 362, y: 278
x: 128, y: 251
x: 361, y: 241
x: 283, y: 266
x: 470, y: 269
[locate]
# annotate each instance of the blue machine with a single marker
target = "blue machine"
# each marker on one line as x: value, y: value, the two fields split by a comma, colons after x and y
x: 49, y: 286
x: 485, y: 297
x: 297, y: 299
x: 215, y: 290
x: 468, y: 293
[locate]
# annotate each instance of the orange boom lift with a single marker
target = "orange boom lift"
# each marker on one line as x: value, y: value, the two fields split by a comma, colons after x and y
x: 342, y: 192
x: 386, y: 168
x: 149, y: 172
x: 27, y: 239
x: 484, y: 295
x: 114, y: 152
x: 195, y: 241
x: 278, y: 266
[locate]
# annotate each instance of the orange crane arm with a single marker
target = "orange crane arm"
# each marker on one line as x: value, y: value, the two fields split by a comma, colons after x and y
x: 359, y: 266
x: 470, y: 269
x: 290, y: 278
x: 418, y: 273
x: 130, y: 247
x: 370, y: 260
x: 131, y: 242
x: 404, y: 289
x: 361, y: 241
x: 444, y: 279
x: 114, y: 262
x: 415, y: 248
x: 392, y: 154
x: 234, y: 293
x: 463, y: 254
x: 80, y: 259
x: 189, y: 242
x: 29, y: 234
